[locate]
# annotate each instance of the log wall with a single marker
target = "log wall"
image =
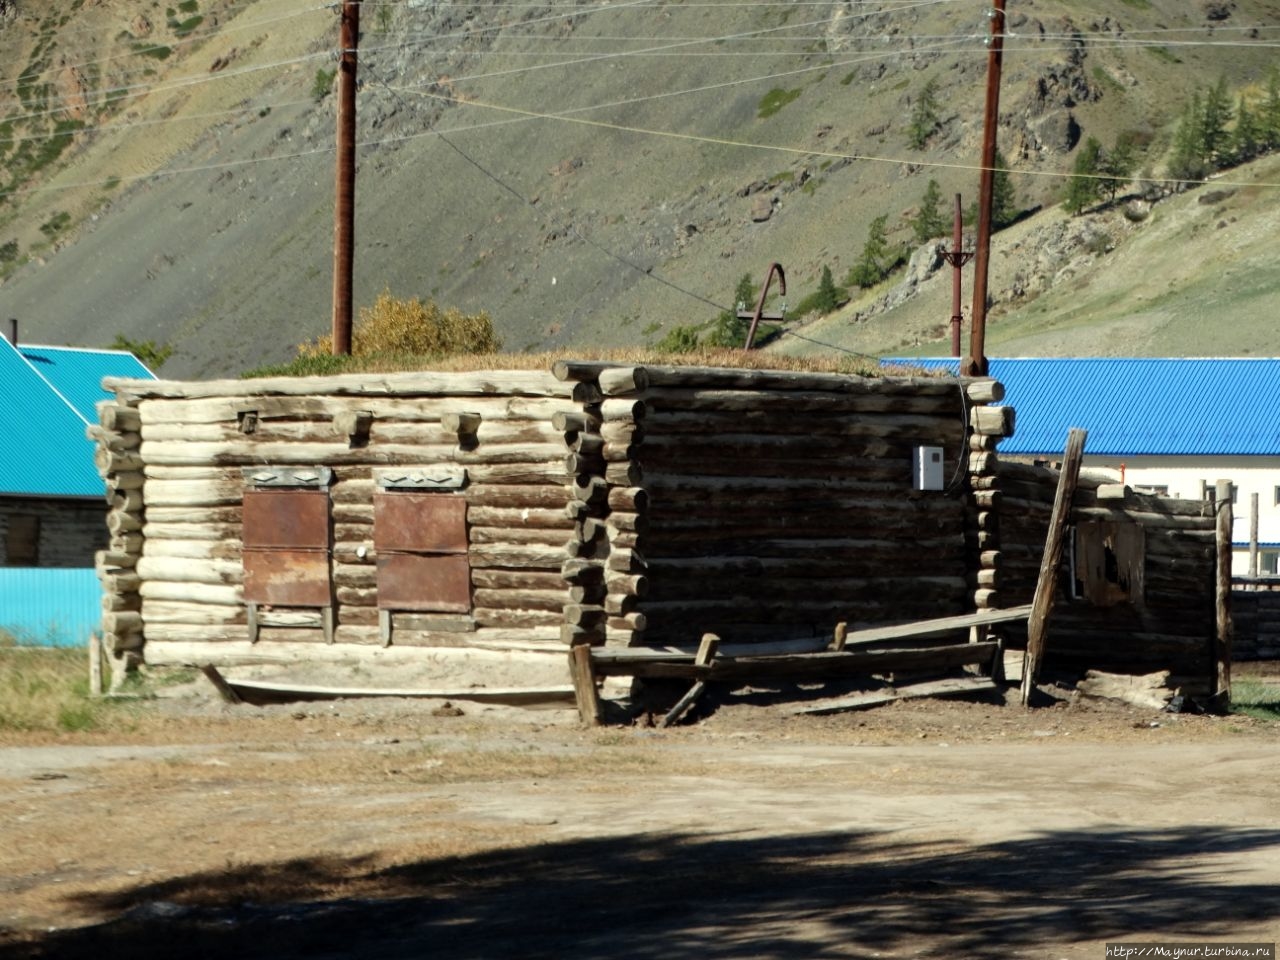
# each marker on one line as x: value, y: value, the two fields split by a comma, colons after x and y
x: 1255, y: 612
x: 763, y: 505
x: 1172, y: 627
x: 69, y: 530
x: 173, y: 456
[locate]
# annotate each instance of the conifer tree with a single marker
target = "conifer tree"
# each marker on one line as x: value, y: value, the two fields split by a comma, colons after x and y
x: 1214, y: 119
x: 1083, y: 187
x: 924, y: 115
x: 929, y: 222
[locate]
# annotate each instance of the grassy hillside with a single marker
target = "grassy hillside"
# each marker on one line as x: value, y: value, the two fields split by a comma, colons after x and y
x: 593, y: 178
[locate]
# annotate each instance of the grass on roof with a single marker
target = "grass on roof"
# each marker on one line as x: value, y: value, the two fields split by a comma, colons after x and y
x: 326, y: 365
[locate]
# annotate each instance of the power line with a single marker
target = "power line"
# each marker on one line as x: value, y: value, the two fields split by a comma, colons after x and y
x: 189, y: 39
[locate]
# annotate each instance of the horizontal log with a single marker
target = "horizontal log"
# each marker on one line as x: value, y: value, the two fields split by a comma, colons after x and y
x: 790, y: 381
x: 120, y: 523
x: 194, y: 614
x: 616, y: 409
x: 574, y: 421
x: 628, y: 500
x: 122, y: 622
x: 190, y: 592
x: 583, y: 615
x: 633, y: 622
x: 495, y: 617
x: 623, y: 381
x: 175, y: 570
x: 517, y: 556
x: 984, y: 390
x: 120, y: 583
x: 121, y: 482
x: 195, y: 549
x: 498, y: 579
x: 129, y: 501
x: 189, y: 531
x: 520, y: 495
x: 118, y: 418
x: 507, y: 599
x: 580, y: 571
x: 627, y: 585
x: 992, y: 421
x: 113, y: 441
x: 624, y: 474
x: 323, y: 409
x: 486, y: 535
x: 621, y: 432
x: 502, y: 383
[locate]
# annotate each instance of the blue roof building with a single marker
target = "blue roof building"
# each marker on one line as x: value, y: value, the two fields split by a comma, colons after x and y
x: 52, y: 513
x: 47, y: 398
x: 1171, y: 425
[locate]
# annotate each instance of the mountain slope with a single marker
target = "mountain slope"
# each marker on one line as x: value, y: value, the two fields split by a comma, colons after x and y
x: 664, y: 177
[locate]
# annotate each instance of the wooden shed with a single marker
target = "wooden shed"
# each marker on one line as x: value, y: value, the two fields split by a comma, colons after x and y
x: 476, y: 526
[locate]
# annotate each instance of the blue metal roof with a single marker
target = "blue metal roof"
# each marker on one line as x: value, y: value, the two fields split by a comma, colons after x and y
x: 47, y: 397
x: 77, y: 373
x: 1132, y: 406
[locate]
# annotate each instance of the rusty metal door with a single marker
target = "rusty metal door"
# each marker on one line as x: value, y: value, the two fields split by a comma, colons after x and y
x: 286, y: 536
x: 421, y: 539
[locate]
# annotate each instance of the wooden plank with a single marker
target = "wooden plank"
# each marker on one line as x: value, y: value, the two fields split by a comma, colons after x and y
x: 1221, y: 681
x: 707, y: 649
x: 937, y: 688
x: 220, y: 684
x: 1047, y: 583
x: 584, y: 685
x: 819, y: 665
x: 922, y: 628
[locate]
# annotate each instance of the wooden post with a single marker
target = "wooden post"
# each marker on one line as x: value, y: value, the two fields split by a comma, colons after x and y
x: 1047, y: 584
x: 1253, y: 536
x: 95, y: 664
x: 707, y: 651
x: 584, y: 684
x: 1222, y: 646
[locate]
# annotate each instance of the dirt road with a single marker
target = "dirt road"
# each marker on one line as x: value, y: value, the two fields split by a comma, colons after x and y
x: 381, y: 830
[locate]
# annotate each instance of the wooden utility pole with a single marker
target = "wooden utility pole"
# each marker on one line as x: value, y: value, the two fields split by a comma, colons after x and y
x: 344, y: 211
x: 957, y: 256
x: 975, y: 365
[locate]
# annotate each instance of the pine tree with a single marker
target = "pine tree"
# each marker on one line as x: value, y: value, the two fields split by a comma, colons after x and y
x: 1247, y: 137
x: 1004, y: 201
x: 828, y: 295
x: 1187, y: 161
x: 929, y: 222
x: 1270, y: 118
x: 873, y: 264
x: 1214, y: 118
x: 1117, y: 165
x: 1084, y: 186
x: 924, y: 115
x: 729, y: 329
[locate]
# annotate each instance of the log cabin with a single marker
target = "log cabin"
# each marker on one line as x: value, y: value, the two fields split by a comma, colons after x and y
x: 482, y: 524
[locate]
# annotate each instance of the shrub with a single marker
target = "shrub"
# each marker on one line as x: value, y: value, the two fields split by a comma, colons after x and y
x: 323, y: 83
x: 393, y: 326
x: 775, y: 100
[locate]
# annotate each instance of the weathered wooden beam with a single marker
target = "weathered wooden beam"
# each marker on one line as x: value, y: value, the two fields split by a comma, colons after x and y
x: 1047, y: 583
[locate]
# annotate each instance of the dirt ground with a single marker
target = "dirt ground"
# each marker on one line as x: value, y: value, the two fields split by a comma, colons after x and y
x: 399, y: 828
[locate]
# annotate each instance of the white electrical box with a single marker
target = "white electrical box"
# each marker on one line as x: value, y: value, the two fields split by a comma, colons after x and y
x: 926, y: 469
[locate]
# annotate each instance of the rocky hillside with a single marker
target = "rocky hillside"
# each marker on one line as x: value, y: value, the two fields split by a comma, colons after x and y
x: 591, y: 176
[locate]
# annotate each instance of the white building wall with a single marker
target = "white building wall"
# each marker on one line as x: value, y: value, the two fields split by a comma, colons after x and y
x: 1189, y: 477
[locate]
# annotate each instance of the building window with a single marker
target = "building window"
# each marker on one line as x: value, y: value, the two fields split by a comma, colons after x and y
x: 1269, y: 562
x: 1108, y: 561
x: 22, y: 542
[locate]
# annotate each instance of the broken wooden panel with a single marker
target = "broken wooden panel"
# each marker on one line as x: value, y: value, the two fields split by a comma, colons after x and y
x: 1109, y: 562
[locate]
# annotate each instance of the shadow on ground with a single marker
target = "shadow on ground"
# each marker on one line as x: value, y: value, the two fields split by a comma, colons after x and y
x: 677, y: 897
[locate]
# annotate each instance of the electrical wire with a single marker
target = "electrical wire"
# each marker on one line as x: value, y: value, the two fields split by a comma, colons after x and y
x: 528, y: 204
x: 189, y: 39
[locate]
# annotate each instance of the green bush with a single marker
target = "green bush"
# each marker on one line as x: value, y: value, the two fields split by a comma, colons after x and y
x: 775, y: 100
